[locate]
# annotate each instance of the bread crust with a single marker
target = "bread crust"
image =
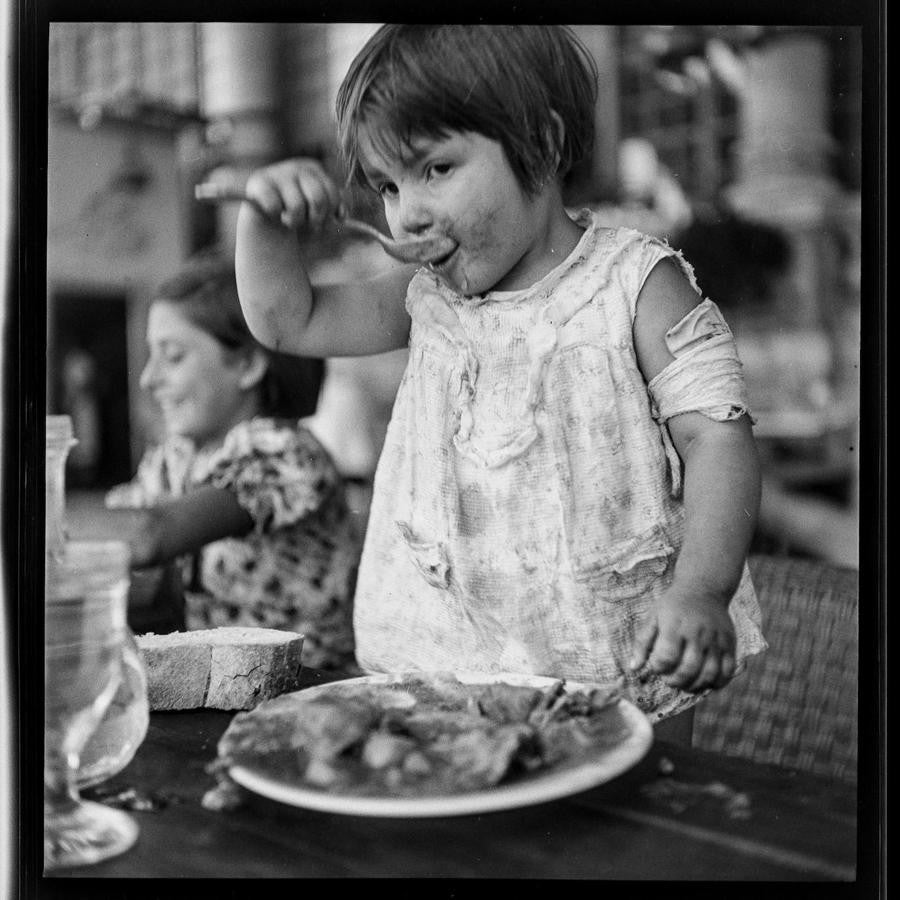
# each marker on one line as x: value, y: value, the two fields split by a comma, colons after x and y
x: 220, y: 668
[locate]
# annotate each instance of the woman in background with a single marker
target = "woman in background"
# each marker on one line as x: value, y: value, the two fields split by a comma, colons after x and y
x: 239, y: 491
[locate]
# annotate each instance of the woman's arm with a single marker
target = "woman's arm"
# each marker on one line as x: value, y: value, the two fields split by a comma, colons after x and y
x: 692, y: 638
x: 185, y: 524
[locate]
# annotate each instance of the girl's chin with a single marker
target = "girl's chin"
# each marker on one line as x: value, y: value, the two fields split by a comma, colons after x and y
x: 179, y: 430
x: 463, y: 285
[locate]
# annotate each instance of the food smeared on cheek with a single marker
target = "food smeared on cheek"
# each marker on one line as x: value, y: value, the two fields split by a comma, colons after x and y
x: 476, y: 232
x: 481, y: 235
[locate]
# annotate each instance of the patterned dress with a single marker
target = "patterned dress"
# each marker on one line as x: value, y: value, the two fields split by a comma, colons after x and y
x: 296, y: 569
x: 527, y: 506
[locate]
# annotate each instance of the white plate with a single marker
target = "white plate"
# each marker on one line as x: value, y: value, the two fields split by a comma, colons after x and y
x: 609, y: 763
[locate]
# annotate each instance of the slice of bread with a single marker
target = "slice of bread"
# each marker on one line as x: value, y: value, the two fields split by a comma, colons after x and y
x: 220, y: 668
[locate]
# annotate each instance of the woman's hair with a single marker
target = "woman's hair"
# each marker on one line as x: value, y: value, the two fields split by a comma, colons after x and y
x: 500, y: 81
x: 205, y: 292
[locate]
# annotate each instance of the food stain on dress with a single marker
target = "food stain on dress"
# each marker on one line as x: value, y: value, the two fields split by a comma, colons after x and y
x: 474, y: 511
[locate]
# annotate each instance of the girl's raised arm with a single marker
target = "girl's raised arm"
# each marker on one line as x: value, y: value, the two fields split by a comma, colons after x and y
x: 283, y: 310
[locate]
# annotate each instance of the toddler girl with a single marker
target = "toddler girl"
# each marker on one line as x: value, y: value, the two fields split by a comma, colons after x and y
x: 569, y: 483
x: 239, y: 491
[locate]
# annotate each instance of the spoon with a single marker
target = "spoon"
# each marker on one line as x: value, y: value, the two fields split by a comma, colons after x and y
x: 418, y: 250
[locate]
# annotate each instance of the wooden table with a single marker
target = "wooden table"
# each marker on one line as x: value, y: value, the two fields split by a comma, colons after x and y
x: 679, y: 814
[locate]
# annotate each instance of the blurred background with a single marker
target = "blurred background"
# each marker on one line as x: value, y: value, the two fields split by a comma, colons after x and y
x: 738, y: 144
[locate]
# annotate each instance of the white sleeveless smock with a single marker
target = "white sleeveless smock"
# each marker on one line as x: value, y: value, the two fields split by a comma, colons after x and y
x: 526, y: 511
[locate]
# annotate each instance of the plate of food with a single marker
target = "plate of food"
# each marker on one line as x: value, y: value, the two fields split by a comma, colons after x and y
x: 433, y: 744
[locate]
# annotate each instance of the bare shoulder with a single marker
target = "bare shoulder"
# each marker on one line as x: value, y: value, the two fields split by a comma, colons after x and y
x: 665, y: 299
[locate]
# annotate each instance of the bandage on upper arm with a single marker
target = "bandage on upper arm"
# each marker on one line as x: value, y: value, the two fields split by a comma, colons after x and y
x: 705, y: 375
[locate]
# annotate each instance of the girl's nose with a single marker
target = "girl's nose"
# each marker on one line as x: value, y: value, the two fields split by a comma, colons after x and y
x: 415, y: 214
x: 148, y: 375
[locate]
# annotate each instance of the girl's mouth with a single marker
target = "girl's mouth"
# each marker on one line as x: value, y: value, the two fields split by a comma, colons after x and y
x: 442, y: 261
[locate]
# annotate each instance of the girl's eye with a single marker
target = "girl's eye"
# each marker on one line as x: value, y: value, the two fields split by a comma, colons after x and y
x: 438, y: 170
x: 387, y: 189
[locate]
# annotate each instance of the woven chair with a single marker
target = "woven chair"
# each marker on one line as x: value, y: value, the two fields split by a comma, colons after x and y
x: 795, y: 705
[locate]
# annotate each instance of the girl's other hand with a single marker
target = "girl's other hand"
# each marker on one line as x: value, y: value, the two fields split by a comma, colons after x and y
x: 298, y: 192
x: 690, y: 640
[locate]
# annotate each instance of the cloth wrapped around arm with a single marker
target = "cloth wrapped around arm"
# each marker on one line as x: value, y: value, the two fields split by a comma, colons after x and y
x: 706, y: 376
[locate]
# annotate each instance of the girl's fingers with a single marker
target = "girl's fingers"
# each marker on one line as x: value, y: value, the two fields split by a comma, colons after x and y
x: 687, y: 664
x: 726, y: 655
x: 327, y: 185
x: 709, y: 673
x: 316, y: 195
x: 297, y: 192
x: 666, y: 653
x: 296, y: 209
x: 266, y: 194
x: 643, y: 643
x: 726, y: 669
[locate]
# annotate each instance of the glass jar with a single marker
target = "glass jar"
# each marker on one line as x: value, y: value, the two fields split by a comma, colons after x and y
x: 124, y: 726
x: 60, y: 440
x: 84, y: 625
x: 87, y: 567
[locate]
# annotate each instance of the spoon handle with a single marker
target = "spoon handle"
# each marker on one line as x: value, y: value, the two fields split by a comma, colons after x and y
x: 365, y: 228
x: 214, y: 193
x: 405, y: 251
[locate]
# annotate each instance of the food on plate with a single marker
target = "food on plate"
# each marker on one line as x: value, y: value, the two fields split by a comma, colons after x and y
x: 421, y: 734
x: 220, y: 668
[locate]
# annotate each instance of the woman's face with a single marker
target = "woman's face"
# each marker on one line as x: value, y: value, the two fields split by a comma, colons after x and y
x: 195, y: 380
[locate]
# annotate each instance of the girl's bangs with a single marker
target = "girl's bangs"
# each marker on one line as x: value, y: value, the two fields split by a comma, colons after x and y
x: 392, y: 134
x: 400, y: 104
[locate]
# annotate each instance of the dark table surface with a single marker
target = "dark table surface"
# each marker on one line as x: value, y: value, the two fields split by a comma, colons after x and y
x: 679, y: 814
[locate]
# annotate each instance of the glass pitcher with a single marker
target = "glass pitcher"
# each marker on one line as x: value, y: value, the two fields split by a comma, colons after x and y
x: 124, y: 726
x: 60, y: 440
x: 84, y: 625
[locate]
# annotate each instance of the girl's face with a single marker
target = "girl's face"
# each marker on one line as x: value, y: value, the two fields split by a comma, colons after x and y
x: 196, y: 381
x: 464, y: 187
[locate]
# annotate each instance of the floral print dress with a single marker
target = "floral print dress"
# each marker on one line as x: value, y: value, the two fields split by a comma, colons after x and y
x: 296, y: 569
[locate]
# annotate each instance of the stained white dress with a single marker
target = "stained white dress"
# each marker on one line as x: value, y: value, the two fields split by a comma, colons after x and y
x: 527, y: 505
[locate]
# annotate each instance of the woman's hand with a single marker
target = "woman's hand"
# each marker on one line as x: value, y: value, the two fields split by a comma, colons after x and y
x: 689, y: 639
x: 298, y: 192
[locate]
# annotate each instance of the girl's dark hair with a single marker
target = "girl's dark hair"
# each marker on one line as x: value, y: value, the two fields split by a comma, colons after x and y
x: 205, y: 291
x: 500, y: 81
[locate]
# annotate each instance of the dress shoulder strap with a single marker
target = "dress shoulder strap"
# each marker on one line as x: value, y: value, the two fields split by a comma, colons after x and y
x: 635, y: 255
